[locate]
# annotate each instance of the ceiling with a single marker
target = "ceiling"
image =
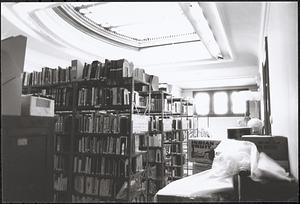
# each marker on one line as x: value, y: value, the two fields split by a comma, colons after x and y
x: 56, y: 42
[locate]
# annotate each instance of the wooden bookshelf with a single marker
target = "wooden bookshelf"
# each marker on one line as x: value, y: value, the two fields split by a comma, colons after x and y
x: 160, y: 110
x: 66, y: 93
x: 108, y: 99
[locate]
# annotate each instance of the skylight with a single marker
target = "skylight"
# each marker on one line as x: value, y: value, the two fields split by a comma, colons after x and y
x: 139, y: 20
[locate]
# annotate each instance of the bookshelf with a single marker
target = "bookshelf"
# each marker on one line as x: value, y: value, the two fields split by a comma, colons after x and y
x: 160, y: 111
x: 115, y: 139
x: 101, y: 125
x: 106, y: 153
x: 64, y: 96
x: 176, y: 140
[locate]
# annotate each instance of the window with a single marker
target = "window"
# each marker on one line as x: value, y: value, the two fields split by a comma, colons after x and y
x: 202, y: 103
x: 238, y: 102
x: 222, y: 102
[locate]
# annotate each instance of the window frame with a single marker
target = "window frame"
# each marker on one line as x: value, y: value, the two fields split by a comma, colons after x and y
x: 229, y: 112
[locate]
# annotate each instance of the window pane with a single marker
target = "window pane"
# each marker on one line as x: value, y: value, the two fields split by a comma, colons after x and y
x: 202, y: 103
x: 238, y: 102
x: 220, y: 103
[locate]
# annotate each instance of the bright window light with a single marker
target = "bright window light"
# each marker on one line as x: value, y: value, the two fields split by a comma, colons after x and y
x: 202, y: 103
x: 238, y: 102
x: 139, y: 20
x: 220, y: 103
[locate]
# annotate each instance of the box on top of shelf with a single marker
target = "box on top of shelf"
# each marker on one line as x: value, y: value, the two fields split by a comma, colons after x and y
x: 202, y: 150
x: 37, y: 106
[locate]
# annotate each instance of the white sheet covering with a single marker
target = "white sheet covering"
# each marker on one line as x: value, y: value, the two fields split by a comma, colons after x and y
x: 231, y: 157
x: 202, y: 184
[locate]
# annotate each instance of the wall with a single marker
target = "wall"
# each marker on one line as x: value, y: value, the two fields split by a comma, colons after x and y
x: 282, y: 32
x: 176, y: 91
x: 217, y: 126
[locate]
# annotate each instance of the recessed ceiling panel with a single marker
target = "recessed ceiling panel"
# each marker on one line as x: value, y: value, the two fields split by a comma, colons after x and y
x: 138, y: 20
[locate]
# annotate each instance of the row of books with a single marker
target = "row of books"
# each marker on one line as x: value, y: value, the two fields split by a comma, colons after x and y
x: 96, y: 96
x: 60, y: 182
x: 63, y: 123
x: 188, y: 109
x: 62, y: 96
x: 155, y: 123
x: 59, y: 162
x: 140, y: 101
x: 173, y: 148
x: 60, y: 197
x: 175, y: 172
x: 187, y: 123
x: 177, y: 159
x: 85, y: 199
x: 100, y: 166
x: 99, y: 145
x: 159, y: 124
x: 177, y: 107
x: 62, y: 143
x: 155, y: 155
x: 159, y: 105
x: 110, y: 69
x: 155, y: 140
x: 174, y: 136
x: 47, y: 76
x: 169, y: 124
x: 91, y: 185
x: 137, y: 164
x: 103, y: 123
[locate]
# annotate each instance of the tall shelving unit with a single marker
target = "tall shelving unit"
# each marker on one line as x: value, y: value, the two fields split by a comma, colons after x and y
x: 120, y: 180
x: 125, y: 185
x: 174, y: 139
x: 159, y: 112
x: 188, y: 114
x: 62, y: 134
x: 80, y: 164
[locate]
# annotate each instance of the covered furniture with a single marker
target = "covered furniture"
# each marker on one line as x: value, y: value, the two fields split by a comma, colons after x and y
x: 275, y: 147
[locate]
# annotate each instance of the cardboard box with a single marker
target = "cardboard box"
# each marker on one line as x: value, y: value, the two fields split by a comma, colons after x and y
x: 37, y: 106
x: 202, y: 150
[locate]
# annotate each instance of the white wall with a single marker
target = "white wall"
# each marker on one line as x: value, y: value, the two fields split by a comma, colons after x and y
x: 282, y: 32
x: 217, y: 126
